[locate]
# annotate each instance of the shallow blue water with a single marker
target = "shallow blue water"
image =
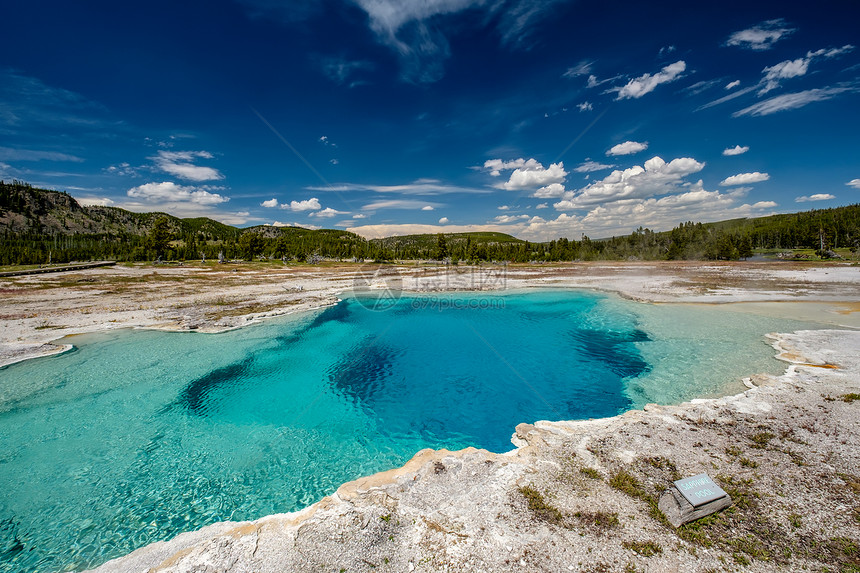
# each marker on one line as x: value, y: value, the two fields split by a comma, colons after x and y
x: 137, y: 436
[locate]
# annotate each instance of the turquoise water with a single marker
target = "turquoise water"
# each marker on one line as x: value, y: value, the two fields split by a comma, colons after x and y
x: 136, y: 436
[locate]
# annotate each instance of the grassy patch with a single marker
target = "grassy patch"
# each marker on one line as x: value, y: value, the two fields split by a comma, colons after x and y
x: 590, y: 472
x: 849, y: 397
x: 733, y: 451
x: 644, y: 548
x: 852, y: 481
x: 760, y: 440
x: 795, y: 520
x: 748, y: 463
x: 627, y: 483
x: 542, y: 509
x: 601, y: 521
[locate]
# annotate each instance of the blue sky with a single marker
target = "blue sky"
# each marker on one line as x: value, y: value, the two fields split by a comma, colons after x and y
x: 538, y: 118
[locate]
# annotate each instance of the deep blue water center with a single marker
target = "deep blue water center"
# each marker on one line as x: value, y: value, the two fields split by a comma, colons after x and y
x: 137, y: 435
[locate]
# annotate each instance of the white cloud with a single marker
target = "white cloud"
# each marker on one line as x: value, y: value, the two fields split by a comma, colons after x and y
x: 359, y: 216
x: 411, y: 28
x: 94, y: 201
x: 816, y: 197
x: 580, y: 69
x: 622, y: 217
x: 123, y: 169
x: 792, y: 101
x: 300, y: 225
x: 627, y: 148
x: 590, y: 166
x: 312, y: 204
x: 179, y: 163
x: 796, y: 68
x: 736, y: 150
x: 733, y: 85
x: 760, y: 37
x: 443, y: 221
x: 533, y: 174
x: 503, y: 207
x: 168, y: 191
x: 333, y: 161
x: 783, y: 70
x: 326, y: 213
x: 271, y: 203
x: 646, y: 83
x: 553, y: 191
x: 585, y: 106
x: 542, y: 206
x: 505, y: 219
x: 496, y: 166
x: 744, y: 179
x: 427, y: 208
x: 854, y: 183
x: 655, y: 177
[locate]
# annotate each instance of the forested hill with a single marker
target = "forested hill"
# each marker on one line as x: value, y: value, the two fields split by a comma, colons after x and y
x: 38, y: 226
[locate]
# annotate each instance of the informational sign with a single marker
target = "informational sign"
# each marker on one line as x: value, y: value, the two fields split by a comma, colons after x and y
x: 699, y: 490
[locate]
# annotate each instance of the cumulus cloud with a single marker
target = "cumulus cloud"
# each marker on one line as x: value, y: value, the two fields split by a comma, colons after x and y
x: 327, y: 213
x: 733, y: 85
x: 646, y: 83
x: 180, y: 164
x: 533, y: 175
x: 443, y: 221
x: 542, y: 206
x: 427, y: 208
x: 496, y: 166
x: 854, y: 183
x: 744, y: 179
x: 654, y: 177
x: 760, y: 37
x: 792, y: 101
x: 505, y: 219
x: 271, y: 203
x: 552, y: 191
x: 312, y: 204
x: 627, y: 148
x: 94, y: 201
x: 585, y: 106
x: 503, y: 207
x: 359, y: 216
x: 621, y: 217
x: 816, y: 197
x: 170, y: 192
x: 736, y: 150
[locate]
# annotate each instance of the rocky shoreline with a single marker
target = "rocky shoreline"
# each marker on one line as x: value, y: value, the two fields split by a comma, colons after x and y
x: 577, y: 496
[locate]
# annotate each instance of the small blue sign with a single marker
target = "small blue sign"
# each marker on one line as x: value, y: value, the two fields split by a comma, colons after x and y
x: 699, y: 490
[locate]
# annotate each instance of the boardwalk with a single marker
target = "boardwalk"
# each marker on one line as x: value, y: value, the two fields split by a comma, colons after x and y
x: 69, y: 267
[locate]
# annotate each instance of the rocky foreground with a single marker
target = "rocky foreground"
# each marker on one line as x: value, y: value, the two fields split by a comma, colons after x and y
x: 581, y: 496
x: 578, y: 496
